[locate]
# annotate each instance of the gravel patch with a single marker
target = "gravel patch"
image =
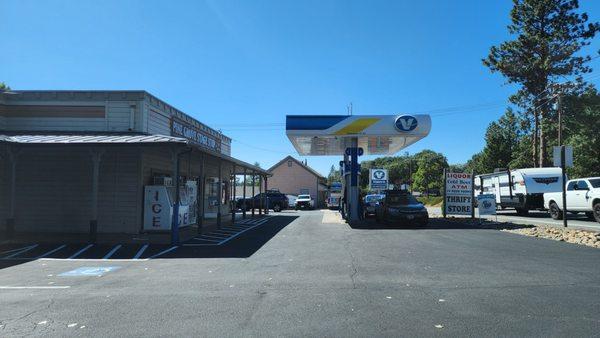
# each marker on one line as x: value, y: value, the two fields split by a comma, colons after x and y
x: 581, y: 237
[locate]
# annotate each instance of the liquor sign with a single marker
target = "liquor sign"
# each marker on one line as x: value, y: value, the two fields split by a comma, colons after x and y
x: 458, y: 193
x: 486, y: 203
x: 183, y: 129
x: 378, y: 179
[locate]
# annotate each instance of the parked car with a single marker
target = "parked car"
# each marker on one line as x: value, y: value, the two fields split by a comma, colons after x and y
x: 292, y: 200
x: 399, y: 206
x: 304, y: 202
x: 276, y: 201
x: 522, y: 189
x: 370, y: 203
x: 583, y: 195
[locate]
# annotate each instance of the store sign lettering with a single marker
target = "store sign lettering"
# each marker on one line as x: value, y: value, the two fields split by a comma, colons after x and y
x: 183, y: 129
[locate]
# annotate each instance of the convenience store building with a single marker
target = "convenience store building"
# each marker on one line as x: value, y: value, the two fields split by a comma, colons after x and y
x: 112, y: 163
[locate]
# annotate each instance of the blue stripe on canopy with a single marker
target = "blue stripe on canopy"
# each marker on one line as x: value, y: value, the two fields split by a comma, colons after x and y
x: 316, y: 122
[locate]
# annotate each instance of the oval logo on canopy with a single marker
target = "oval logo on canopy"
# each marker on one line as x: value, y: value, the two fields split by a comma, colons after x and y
x: 406, y: 123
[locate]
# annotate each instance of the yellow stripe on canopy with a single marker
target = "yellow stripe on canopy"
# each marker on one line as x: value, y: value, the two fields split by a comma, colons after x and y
x: 357, y: 126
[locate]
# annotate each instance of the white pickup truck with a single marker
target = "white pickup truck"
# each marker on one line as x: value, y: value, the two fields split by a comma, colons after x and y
x: 583, y: 195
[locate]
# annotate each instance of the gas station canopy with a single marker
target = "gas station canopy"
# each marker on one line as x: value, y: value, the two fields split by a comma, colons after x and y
x: 376, y: 134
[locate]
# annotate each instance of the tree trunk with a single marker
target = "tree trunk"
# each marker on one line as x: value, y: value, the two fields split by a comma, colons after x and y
x: 536, y: 132
x: 542, y: 145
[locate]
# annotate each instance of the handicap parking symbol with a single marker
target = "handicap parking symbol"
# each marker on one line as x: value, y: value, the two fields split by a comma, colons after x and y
x: 89, y: 271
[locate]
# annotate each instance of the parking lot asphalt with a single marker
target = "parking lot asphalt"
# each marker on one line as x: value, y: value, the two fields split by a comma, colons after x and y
x: 297, y: 276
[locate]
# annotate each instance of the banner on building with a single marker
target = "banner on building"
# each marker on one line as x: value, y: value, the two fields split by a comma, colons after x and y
x: 158, y: 206
x: 458, y: 194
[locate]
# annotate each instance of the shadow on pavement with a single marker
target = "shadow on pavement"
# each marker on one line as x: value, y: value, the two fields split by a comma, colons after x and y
x: 242, y: 245
x: 438, y: 224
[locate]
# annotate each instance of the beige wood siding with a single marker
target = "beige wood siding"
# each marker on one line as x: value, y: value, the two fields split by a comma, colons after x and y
x: 54, y: 191
x: 114, y: 116
x: 158, y: 122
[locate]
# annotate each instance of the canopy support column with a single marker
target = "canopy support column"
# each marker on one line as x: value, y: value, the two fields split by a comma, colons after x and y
x: 266, y: 196
x: 96, y: 159
x: 244, y: 204
x: 253, y: 183
x: 201, y: 180
x: 13, y: 155
x: 233, y: 201
x: 220, y: 193
x: 353, y: 201
x: 260, y: 195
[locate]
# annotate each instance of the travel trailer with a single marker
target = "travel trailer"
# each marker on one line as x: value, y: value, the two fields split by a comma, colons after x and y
x: 522, y: 189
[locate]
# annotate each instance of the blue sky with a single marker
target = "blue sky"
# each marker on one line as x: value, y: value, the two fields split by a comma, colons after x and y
x: 241, y: 66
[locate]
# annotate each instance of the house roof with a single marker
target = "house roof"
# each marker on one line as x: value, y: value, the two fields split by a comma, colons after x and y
x: 309, y: 169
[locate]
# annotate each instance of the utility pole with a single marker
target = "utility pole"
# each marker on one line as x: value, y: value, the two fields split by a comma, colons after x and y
x: 559, y: 109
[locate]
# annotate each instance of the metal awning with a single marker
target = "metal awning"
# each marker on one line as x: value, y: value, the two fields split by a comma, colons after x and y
x: 120, y: 139
x: 90, y: 139
x: 376, y: 134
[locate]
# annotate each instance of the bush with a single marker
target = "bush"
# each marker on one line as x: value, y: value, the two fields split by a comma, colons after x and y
x: 431, y: 200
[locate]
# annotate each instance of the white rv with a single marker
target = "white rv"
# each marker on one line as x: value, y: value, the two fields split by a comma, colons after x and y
x: 522, y: 189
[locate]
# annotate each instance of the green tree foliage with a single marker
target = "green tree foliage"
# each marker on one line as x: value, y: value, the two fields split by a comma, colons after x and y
x: 430, y: 166
x: 582, y: 131
x: 4, y: 86
x: 503, y: 139
x: 548, y: 34
x: 427, y: 165
x: 334, y: 175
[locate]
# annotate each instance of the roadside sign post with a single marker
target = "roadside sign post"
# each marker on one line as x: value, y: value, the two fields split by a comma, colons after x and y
x: 378, y: 179
x: 472, y: 195
x: 486, y: 203
x: 458, y: 194
x: 564, y: 185
x: 444, y: 196
x: 563, y: 158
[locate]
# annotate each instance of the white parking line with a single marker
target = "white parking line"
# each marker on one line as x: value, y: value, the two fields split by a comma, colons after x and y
x: 164, y: 251
x: 140, y: 252
x: 13, y: 250
x: 216, y: 237
x: 198, y: 244
x: 111, y: 252
x: 218, y: 232
x: 81, y: 251
x: 31, y: 247
x: 50, y: 252
x: 206, y: 239
x: 241, y: 232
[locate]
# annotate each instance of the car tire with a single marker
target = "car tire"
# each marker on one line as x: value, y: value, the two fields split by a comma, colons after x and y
x: 590, y: 215
x: 277, y: 208
x: 597, y: 212
x: 555, y: 211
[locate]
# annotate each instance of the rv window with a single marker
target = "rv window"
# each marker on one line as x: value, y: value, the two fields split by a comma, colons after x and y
x: 595, y: 183
x: 572, y: 186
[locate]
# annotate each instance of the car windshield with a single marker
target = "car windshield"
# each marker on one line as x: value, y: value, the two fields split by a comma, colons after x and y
x: 401, y: 199
x: 304, y: 197
x: 595, y: 182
